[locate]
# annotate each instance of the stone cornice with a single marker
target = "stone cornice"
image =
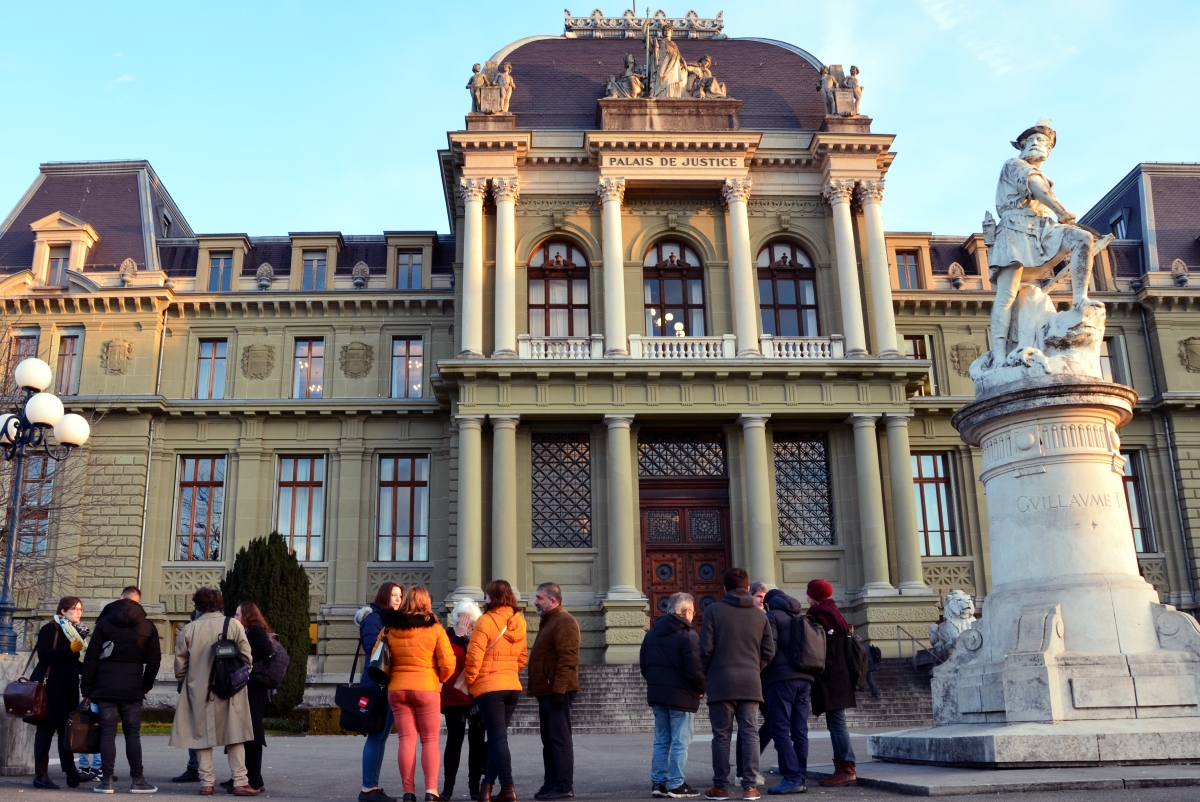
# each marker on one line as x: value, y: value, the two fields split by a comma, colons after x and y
x: 515, y: 143
x: 675, y: 143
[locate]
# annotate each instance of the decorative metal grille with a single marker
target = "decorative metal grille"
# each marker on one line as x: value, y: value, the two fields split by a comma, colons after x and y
x: 802, y: 488
x: 662, y: 526
x: 688, y: 454
x: 562, y: 491
x: 704, y: 526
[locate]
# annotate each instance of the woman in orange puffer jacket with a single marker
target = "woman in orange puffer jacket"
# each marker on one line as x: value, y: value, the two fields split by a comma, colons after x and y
x: 421, y: 661
x: 495, y: 655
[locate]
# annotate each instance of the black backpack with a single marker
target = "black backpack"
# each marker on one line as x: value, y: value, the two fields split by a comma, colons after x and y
x: 229, y: 674
x: 806, y: 649
x: 269, y: 673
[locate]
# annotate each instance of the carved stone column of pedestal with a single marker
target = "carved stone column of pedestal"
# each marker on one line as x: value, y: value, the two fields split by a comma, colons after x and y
x: 622, y: 533
x: 759, y: 509
x: 16, y: 737
x: 838, y: 193
x: 506, y: 191
x: 736, y: 193
x: 872, y: 531
x: 871, y: 194
x: 473, y: 191
x: 612, y: 192
x: 470, y: 508
x: 904, y: 506
x: 504, y: 499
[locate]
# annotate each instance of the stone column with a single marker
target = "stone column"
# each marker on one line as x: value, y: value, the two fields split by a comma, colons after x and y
x: 759, y: 508
x: 736, y: 193
x: 838, y: 194
x: 616, y: 340
x: 622, y: 532
x: 904, y: 506
x: 504, y: 499
x: 473, y: 190
x: 872, y: 531
x: 871, y: 194
x: 470, y: 507
x: 506, y: 191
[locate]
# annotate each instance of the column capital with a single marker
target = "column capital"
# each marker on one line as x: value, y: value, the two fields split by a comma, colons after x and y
x: 618, y: 421
x: 472, y: 189
x: 892, y: 419
x: 506, y: 188
x: 838, y: 191
x: 469, y: 421
x: 753, y: 421
x: 871, y: 191
x: 736, y: 189
x: 860, y: 420
x: 611, y: 189
x: 504, y: 421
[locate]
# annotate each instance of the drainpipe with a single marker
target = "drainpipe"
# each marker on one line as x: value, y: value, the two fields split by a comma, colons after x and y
x: 162, y: 336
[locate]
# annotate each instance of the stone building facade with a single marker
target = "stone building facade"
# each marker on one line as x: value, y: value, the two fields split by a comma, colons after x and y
x: 664, y: 337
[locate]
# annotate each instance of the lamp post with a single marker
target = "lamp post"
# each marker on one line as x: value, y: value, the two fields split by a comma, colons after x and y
x: 21, y: 434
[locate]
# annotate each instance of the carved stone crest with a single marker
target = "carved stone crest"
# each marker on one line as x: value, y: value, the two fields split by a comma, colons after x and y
x: 116, y: 356
x: 361, y: 275
x: 258, y: 361
x: 962, y: 355
x: 264, y: 274
x: 356, y: 360
x: 956, y: 274
x: 1189, y: 354
x: 1179, y: 273
x: 128, y: 268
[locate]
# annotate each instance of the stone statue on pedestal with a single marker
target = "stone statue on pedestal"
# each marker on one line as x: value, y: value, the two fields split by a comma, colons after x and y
x: 505, y: 83
x: 960, y: 616
x: 668, y: 70
x: 828, y: 87
x: 475, y: 86
x: 629, y: 84
x: 701, y: 82
x: 851, y: 84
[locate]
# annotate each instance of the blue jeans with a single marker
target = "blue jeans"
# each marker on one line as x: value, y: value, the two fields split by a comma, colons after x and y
x: 372, y: 760
x: 672, y: 737
x: 839, y: 735
x: 83, y: 761
x: 788, y: 717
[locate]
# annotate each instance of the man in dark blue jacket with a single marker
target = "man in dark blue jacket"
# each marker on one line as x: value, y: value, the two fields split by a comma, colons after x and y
x: 670, y: 662
x: 787, y: 690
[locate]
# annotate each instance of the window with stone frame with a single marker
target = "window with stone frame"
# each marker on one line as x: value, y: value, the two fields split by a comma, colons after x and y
x: 1135, y: 500
x: 60, y: 263
x: 33, y: 537
x: 308, y: 368
x: 787, y: 291
x: 558, y: 291
x: 408, y: 364
x: 802, y: 489
x: 210, y: 369
x: 20, y: 348
x: 403, y: 516
x: 313, y: 277
x: 300, y: 506
x: 200, y: 508
x: 907, y: 273
x: 561, y: 469
x: 673, y: 291
x: 917, y: 346
x: 933, y: 493
x: 408, y: 270
x: 70, y: 352
x: 220, y: 272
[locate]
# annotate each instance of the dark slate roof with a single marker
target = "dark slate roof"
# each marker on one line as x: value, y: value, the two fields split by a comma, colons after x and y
x: 945, y: 252
x: 372, y: 250
x: 275, y: 251
x: 1126, y: 258
x: 178, y: 260
x: 443, y: 254
x: 559, y: 80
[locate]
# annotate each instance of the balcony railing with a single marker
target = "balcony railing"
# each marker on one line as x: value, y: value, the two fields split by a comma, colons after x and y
x: 833, y: 347
x: 724, y: 347
x: 560, y: 347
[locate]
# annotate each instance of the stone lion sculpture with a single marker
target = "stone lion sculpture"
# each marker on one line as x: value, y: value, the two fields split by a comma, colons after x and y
x: 960, y: 616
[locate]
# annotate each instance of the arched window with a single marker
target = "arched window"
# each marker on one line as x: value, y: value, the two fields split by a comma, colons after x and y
x: 787, y: 291
x: 558, y: 291
x: 673, y: 287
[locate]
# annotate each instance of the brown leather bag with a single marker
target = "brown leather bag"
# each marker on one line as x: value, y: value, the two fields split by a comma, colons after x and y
x: 25, y: 698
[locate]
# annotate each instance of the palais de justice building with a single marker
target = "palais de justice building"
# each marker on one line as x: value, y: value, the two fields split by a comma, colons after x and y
x: 668, y: 333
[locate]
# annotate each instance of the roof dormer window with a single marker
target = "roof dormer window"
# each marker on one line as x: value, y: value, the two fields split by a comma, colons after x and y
x: 60, y: 263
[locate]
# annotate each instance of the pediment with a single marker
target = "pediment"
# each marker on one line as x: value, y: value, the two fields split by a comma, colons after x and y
x: 60, y: 222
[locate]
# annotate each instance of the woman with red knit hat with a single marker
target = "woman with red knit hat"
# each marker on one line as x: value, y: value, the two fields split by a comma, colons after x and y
x: 833, y: 691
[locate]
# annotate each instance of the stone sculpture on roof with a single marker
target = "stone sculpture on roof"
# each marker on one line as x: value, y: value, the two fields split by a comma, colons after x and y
x: 629, y: 84
x: 668, y: 71
x: 842, y: 93
x: 491, y: 88
x: 701, y: 82
x: 666, y: 74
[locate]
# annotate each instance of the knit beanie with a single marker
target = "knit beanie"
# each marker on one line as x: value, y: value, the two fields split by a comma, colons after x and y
x: 820, y: 590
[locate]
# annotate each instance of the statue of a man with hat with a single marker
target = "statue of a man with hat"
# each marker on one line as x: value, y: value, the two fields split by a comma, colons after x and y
x: 1028, y: 236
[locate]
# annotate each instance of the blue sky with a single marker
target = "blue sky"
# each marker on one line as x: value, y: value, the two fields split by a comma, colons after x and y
x: 266, y: 118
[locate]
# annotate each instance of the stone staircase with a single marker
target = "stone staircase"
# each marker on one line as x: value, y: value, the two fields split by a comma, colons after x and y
x: 612, y: 699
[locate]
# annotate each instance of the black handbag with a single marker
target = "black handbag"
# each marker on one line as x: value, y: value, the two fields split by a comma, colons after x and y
x: 83, y: 730
x: 379, y: 669
x: 363, y: 708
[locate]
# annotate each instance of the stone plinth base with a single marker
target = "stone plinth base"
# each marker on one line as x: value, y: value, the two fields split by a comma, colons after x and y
x: 1035, y: 745
x: 846, y: 125
x: 16, y: 737
x: 625, y: 625
x: 491, y: 122
x: 676, y: 114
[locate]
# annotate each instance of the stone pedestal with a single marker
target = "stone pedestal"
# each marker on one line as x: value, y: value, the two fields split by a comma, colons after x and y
x: 671, y: 114
x: 625, y: 625
x: 16, y: 737
x: 501, y: 121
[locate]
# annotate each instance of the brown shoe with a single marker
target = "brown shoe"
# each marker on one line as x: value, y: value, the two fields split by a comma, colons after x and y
x: 751, y: 793
x: 508, y: 793
x: 244, y: 790
x: 206, y: 790
x: 844, y: 774
x: 716, y: 793
x: 485, y: 792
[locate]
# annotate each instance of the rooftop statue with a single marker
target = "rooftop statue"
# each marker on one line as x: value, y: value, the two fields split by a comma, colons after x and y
x: 666, y: 74
x: 851, y: 84
x: 701, y: 82
x: 491, y: 88
x: 475, y: 86
x: 842, y: 93
x: 629, y: 83
x: 668, y: 70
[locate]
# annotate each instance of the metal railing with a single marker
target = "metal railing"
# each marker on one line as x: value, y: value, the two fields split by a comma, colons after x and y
x: 916, y: 645
x: 723, y: 347
x: 832, y: 347
x: 560, y: 347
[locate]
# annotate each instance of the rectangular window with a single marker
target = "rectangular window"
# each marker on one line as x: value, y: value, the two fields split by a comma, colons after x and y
x: 408, y: 363
x: 803, y: 495
x: 562, y: 491
x: 1143, y: 538
x: 916, y: 346
x: 210, y: 369
x: 34, y: 533
x: 66, y: 378
x: 403, y: 532
x: 201, y: 508
x: 308, y: 368
x: 408, y: 271
x: 300, y: 514
x: 314, y: 270
x: 906, y: 270
x: 60, y: 263
x: 22, y: 347
x: 934, y: 494
x: 1118, y: 227
x: 220, y: 272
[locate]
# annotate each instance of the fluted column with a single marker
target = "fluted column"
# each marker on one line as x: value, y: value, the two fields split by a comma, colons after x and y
x: 616, y: 339
x: 838, y: 193
x: 759, y: 509
x: 871, y: 195
x: 473, y: 190
x: 872, y: 531
x: 904, y: 506
x: 622, y: 532
x: 505, y: 191
x: 736, y: 193
x: 504, y: 498
x: 470, y: 507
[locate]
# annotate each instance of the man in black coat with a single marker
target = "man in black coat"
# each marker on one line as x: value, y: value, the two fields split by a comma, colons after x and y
x: 118, y: 671
x: 787, y: 690
x: 735, y: 646
x: 670, y: 663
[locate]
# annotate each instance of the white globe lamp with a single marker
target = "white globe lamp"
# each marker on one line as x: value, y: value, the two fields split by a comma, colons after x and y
x: 32, y: 374
x: 44, y: 409
x: 8, y: 427
x: 72, y: 430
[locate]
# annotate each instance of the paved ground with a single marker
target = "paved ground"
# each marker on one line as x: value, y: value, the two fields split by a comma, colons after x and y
x: 607, y: 767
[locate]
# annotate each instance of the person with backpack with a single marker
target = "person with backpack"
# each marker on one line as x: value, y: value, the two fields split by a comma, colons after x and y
x: 264, y: 648
x: 212, y: 660
x: 833, y: 692
x: 370, y: 623
x: 787, y: 684
x: 874, y: 655
x: 119, y: 668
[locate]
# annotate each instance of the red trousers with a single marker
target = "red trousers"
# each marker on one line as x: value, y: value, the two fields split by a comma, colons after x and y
x: 418, y: 716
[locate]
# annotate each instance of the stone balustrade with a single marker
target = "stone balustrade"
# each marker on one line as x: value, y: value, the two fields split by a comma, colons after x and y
x: 560, y: 347
x: 682, y: 348
x: 723, y: 347
x: 833, y: 347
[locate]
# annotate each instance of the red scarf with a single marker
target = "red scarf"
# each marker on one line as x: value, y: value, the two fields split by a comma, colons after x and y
x: 829, y: 616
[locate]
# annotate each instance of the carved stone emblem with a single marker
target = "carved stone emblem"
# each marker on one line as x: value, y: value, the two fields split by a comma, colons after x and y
x: 962, y: 355
x: 116, y: 356
x: 1189, y: 354
x: 128, y: 268
x: 264, y: 274
x: 356, y: 360
x: 258, y: 361
x: 361, y: 274
x: 956, y: 274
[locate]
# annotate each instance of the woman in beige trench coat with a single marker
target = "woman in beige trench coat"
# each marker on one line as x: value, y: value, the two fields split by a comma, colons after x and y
x: 202, y: 720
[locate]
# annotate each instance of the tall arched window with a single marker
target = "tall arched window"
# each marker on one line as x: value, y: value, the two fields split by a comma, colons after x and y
x: 558, y: 291
x: 673, y: 288
x: 787, y: 291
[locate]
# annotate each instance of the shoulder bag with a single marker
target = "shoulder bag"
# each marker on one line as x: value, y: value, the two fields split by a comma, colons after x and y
x: 460, y: 684
x: 83, y: 730
x: 363, y: 708
x: 26, y: 698
x: 379, y: 669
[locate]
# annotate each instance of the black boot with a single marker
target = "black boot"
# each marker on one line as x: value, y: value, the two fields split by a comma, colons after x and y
x: 188, y: 776
x: 448, y: 791
x: 44, y: 781
x: 73, y: 778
